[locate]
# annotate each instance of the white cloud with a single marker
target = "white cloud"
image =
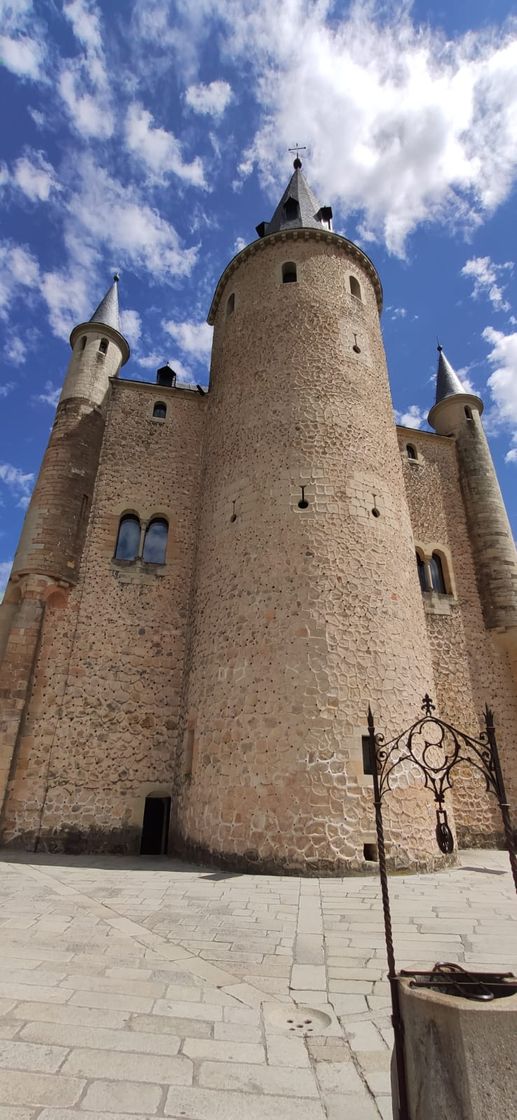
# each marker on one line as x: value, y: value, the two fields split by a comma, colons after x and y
x: 33, y: 175
x: 106, y: 212
x: 131, y: 325
x: 83, y: 81
x: 486, y: 276
x: 50, y: 395
x: 239, y: 243
x: 15, y: 352
x: 158, y: 150
x: 6, y: 388
x: 18, y: 483
x: 194, y: 339
x: 414, y: 417
x: 502, y: 382
x: 396, y: 312
x: 415, y: 128
x: 67, y: 295
x: 19, y: 270
x: 22, y: 48
x: 211, y: 99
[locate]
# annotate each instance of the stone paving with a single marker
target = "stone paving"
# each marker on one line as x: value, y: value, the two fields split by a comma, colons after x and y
x: 154, y: 988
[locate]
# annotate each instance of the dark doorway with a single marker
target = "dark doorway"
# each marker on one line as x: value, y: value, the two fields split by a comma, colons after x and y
x: 155, y: 829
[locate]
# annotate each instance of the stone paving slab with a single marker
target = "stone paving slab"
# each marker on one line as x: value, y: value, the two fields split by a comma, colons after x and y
x: 139, y: 988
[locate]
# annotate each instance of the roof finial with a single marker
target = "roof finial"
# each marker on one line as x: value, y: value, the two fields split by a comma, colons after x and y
x: 116, y: 277
x: 297, y: 163
x: 439, y: 346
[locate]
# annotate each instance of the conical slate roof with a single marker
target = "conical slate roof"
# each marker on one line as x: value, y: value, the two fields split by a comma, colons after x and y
x: 448, y: 383
x: 298, y: 207
x: 107, y: 312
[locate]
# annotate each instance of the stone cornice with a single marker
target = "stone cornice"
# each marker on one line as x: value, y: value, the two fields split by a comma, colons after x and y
x: 302, y: 234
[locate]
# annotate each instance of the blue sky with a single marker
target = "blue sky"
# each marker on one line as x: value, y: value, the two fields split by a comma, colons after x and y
x: 151, y: 136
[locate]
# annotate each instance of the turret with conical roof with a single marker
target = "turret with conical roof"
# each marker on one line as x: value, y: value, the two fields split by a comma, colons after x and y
x: 54, y: 528
x: 457, y: 412
x: 298, y: 207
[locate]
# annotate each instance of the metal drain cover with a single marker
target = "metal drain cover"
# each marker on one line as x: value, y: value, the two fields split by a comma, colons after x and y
x: 300, y: 1020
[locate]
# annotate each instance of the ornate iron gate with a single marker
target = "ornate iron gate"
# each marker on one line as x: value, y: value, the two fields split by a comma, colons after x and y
x: 436, y: 748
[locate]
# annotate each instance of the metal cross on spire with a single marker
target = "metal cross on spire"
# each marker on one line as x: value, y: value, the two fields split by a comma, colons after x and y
x: 297, y: 148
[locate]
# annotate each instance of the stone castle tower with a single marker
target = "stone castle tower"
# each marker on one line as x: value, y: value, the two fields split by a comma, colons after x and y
x: 211, y: 587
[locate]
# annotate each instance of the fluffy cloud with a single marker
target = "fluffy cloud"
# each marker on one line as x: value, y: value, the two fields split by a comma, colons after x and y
x: 210, y: 100
x: 15, y: 352
x: 19, y: 270
x: 131, y: 326
x: 158, y: 150
x: 194, y: 339
x: 503, y: 382
x: 6, y: 388
x: 33, y: 175
x: 486, y: 277
x: 414, y: 129
x: 50, y: 394
x: 17, y: 482
x: 66, y: 293
x: 414, y: 417
x: 22, y: 44
x: 83, y: 81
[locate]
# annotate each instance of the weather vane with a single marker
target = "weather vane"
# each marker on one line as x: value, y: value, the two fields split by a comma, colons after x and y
x: 297, y: 148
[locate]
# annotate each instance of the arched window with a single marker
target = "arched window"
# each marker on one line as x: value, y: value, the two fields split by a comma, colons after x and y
x: 421, y: 572
x: 289, y: 273
x: 468, y: 412
x: 83, y: 342
x: 437, y: 576
x: 291, y: 210
x: 160, y: 410
x: 128, y: 539
x: 411, y: 453
x: 155, y: 541
x: 355, y: 287
x: 230, y: 306
x: 103, y: 346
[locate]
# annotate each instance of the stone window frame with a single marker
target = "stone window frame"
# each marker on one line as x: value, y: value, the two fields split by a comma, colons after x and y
x: 279, y: 272
x: 158, y: 419
x: 426, y: 552
x: 354, y: 767
x: 144, y: 524
x: 357, y: 296
x: 416, y: 459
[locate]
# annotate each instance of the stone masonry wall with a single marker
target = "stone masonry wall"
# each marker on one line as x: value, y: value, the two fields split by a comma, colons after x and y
x: 101, y: 729
x: 469, y: 668
x: 301, y: 616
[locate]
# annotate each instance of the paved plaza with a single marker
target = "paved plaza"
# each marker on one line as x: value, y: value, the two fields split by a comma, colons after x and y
x: 138, y: 987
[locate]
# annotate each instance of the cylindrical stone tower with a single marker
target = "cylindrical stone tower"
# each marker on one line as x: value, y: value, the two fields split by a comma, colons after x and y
x: 54, y: 528
x: 457, y: 412
x: 307, y: 601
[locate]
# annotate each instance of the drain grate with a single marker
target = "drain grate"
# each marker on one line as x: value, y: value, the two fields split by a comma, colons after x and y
x: 302, y: 1021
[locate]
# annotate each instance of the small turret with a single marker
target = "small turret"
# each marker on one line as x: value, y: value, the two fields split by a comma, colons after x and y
x: 54, y: 529
x: 457, y: 412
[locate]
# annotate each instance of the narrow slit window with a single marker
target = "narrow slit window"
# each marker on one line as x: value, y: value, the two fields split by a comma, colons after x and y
x: 355, y: 288
x: 411, y: 453
x: 437, y: 574
x: 368, y: 755
x: 468, y: 412
x: 230, y: 306
x: 289, y: 274
x: 83, y: 342
x: 422, y: 575
x: 155, y: 541
x: 128, y: 539
x: 103, y: 346
x: 160, y: 410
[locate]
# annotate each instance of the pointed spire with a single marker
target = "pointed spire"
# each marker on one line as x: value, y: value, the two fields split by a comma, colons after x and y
x: 448, y: 383
x: 298, y: 207
x: 107, y: 312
